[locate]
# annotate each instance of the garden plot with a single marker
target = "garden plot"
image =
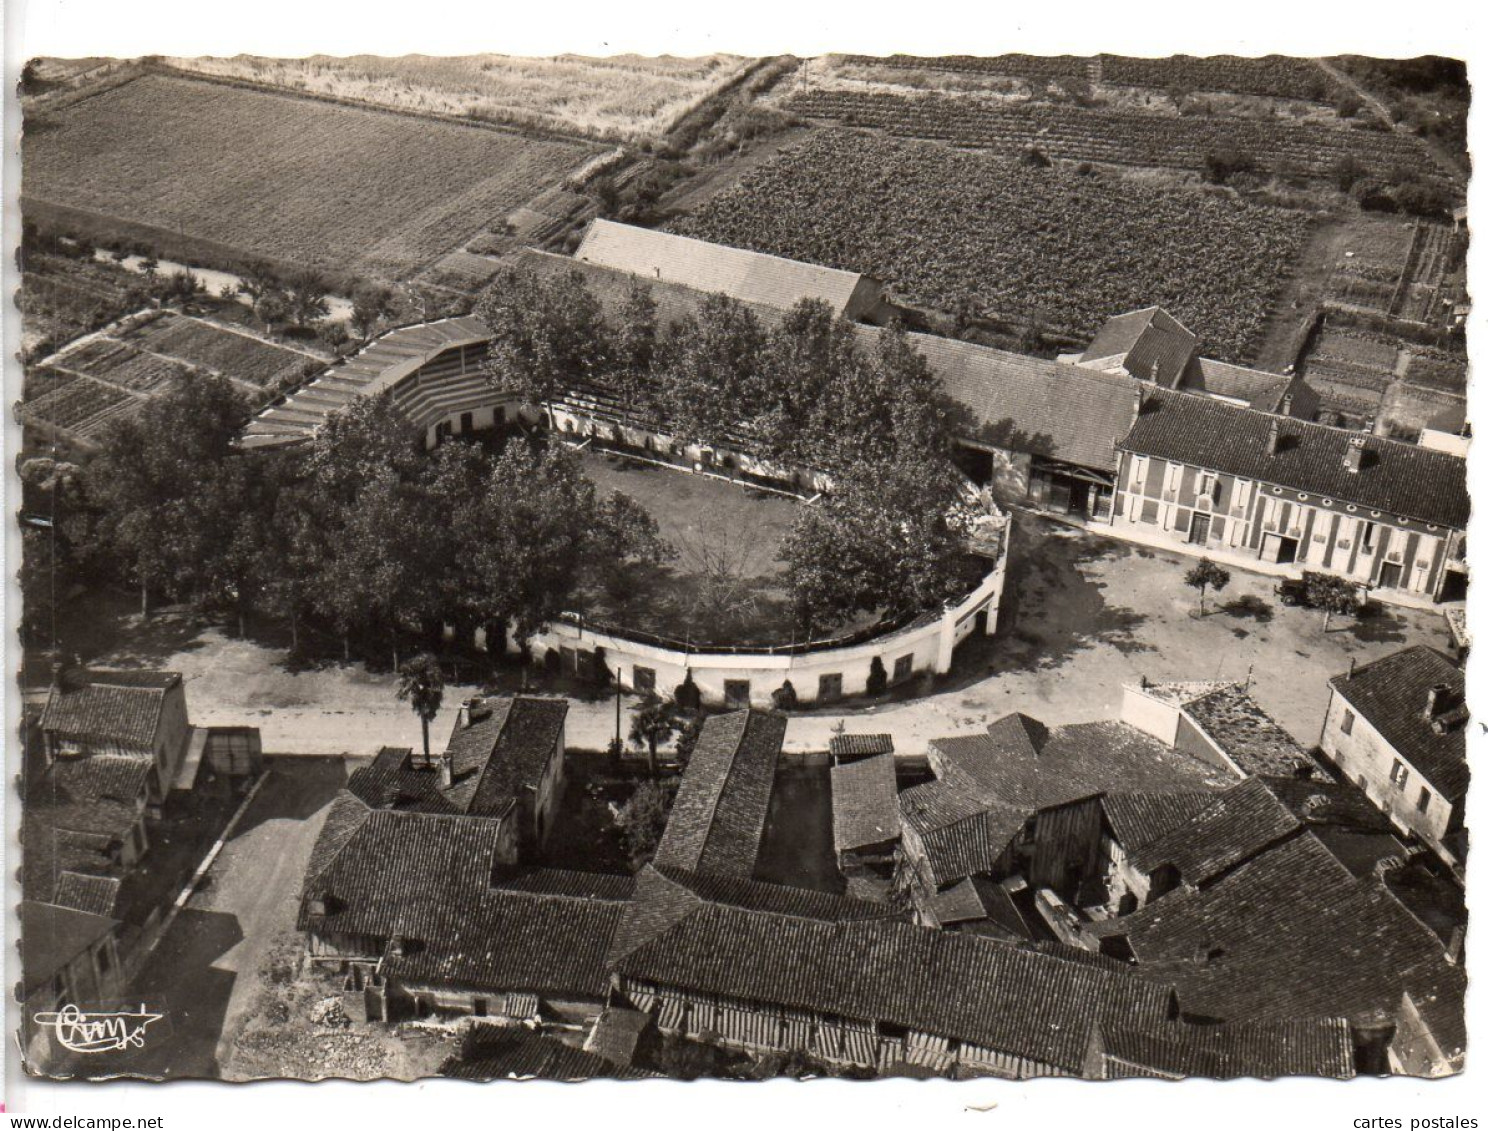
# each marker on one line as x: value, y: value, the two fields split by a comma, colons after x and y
x: 229, y: 352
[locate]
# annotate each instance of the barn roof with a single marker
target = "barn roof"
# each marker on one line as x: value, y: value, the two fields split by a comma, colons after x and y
x: 121, y: 707
x: 718, y: 817
x: 1258, y: 389
x: 865, y: 803
x: 1391, y: 694
x: 749, y: 276
x: 52, y: 936
x: 978, y: 990
x: 1149, y: 344
x: 1292, y: 1047
x: 1395, y: 478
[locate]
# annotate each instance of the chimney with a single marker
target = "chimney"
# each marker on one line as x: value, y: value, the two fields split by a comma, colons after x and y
x: 446, y: 770
x: 1454, y: 944
x: 1436, y: 701
x: 1273, y: 437
x: 1286, y: 404
x: 1354, y: 458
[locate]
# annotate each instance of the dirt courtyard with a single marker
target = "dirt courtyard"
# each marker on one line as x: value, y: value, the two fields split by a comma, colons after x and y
x: 1082, y: 615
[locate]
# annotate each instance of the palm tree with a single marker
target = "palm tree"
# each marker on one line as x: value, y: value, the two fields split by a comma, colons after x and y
x: 421, y: 685
x: 655, y: 721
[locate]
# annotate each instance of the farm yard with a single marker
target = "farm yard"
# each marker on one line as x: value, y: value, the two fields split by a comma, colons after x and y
x: 943, y: 227
x: 217, y: 172
x: 79, y: 390
x: 621, y: 98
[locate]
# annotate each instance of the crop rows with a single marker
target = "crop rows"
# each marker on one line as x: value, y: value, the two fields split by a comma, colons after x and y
x: 293, y: 180
x: 1358, y: 348
x: 1123, y: 138
x: 43, y: 379
x: 231, y: 354
x: 125, y: 366
x: 1445, y: 375
x: 1272, y: 76
x: 1040, y: 67
x: 944, y: 227
x: 80, y: 406
x: 1353, y: 374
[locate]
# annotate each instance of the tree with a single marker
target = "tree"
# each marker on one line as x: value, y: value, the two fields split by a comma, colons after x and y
x: 633, y: 347
x: 1331, y: 593
x: 421, y: 686
x: 707, y: 364
x: 642, y: 820
x: 547, y: 335
x: 652, y: 723
x: 369, y: 306
x: 1205, y: 576
x: 624, y: 537
x: 305, y: 297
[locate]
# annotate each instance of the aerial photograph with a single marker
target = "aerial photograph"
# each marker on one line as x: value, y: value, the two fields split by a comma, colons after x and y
x: 665, y: 568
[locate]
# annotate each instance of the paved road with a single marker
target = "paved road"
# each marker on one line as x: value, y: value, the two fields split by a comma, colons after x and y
x: 203, y: 973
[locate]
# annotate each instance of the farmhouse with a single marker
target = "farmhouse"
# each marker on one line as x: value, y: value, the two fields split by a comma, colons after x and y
x: 1201, y: 475
x: 1151, y: 345
x: 1398, y: 728
x: 503, y: 761
x: 139, y: 715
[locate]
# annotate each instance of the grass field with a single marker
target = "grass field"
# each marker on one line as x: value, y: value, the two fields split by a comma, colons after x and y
x: 294, y: 180
x: 1049, y: 245
x: 615, y: 99
x: 727, y: 583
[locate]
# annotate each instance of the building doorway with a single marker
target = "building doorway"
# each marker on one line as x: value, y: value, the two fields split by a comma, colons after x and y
x: 1278, y: 548
x: 1389, y: 575
x: 1198, y: 530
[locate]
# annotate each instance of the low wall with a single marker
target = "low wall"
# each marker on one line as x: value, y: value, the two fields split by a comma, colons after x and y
x: 728, y: 678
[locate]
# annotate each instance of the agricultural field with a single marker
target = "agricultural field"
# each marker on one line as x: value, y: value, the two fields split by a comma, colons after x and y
x: 62, y: 297
x: 622, y: 98
x: 1377, y: 376
x: 1068, y: 132
x: 245, y: 359
x: 1271, y: 76
x: 943, y: 228
x: 78, y: 390
x: 217, y: 172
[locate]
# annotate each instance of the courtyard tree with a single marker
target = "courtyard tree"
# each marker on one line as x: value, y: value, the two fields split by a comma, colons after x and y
x: 802, y: 359
x: 546, y: 334
x: 1204, y: 576
x: 632, y: 349
x: 652, y: 723
x: 370, y: 304
x: 421, y: 686
x: 642, y: 820
x: 306, y: 297
x: 707, y: 364
x: 623, y: 539
x: 1331, y: 593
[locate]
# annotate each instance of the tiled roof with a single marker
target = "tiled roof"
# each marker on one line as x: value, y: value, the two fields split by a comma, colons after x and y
x: 1238, y: 823
x: 94, y: 894
x: 1289, y: 934
x: 521, y: 1054
x: 564, y: 882
x: 980, y: 900
x: 615, y: 1034
x: 865, y: 803
x: 852, y: 746
x: 531, y: 732
x: 1391, y: 693
x: 1139, y: 818
x: 1028, y: 404
x: 776, y: 899
x: 1266, y: 1049
x: 953, y: 985
x: 1260, y: 390
x: 718, y: 816
x: 52, y: 936
x: 749, y: 276
x: 1016, y: 767
x: 968, y: 845
x: 1251, y: 738
x: 1151, y: 344
x: 427, y: 880
x: 1395, y: 478
x: 98, y: 777
x: 377, y: 367
x: 117, y: 707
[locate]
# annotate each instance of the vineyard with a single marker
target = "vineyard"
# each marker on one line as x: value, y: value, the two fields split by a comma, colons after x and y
x: 292, y: 180
x: 1271, y: 76
x: 943, y: 227
x: 81, y: 406
x: 1073, y: 133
